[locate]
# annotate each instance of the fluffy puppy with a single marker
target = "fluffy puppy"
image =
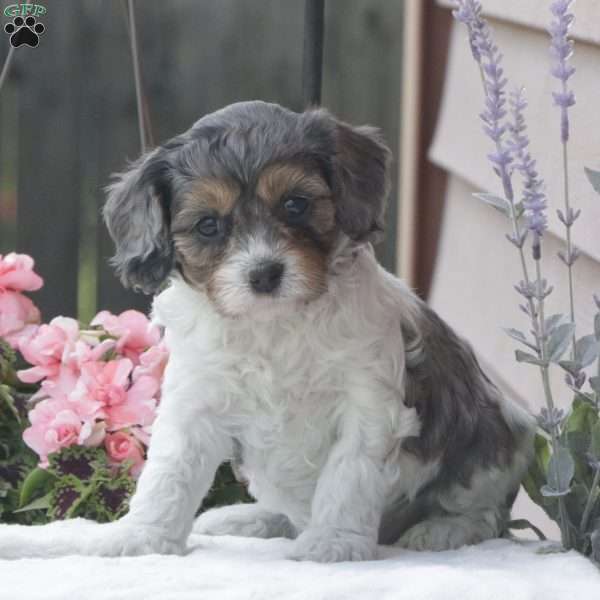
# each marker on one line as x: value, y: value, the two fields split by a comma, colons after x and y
x: 355, y: 413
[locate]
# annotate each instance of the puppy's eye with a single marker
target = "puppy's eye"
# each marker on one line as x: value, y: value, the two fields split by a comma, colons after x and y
x: 295, y: 207
x: 208, y: 227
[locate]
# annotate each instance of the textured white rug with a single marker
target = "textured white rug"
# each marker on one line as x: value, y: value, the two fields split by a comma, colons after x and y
x: 229, y: 568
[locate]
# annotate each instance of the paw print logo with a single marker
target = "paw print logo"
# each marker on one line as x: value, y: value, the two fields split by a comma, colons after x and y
x: 24, y: 31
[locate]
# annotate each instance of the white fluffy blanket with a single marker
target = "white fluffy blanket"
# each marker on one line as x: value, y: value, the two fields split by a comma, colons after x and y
x: 231, y: 568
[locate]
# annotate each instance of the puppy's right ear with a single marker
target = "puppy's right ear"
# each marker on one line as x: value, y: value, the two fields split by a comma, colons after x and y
x: 137, y: 216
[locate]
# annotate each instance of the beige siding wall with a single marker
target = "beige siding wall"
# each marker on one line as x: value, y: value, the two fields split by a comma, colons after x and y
x: 477, y: 267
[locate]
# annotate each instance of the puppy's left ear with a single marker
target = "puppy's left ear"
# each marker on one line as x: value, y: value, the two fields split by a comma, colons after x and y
x: 361, y: 180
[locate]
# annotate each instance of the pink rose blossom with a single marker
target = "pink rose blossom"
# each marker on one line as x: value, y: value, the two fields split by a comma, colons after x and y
x: 53, y: 426
x: 48, y: 348
x: 60, y: 386
x: 18, y: 317
x: 140, y: 406
x: 16, y: 273
x: 134, y: 331
x: 121, y: 446
x: 152, y: 362
x: 104, y: 391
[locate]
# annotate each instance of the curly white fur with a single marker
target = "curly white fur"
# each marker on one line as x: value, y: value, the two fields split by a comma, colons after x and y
x: 314, y: 398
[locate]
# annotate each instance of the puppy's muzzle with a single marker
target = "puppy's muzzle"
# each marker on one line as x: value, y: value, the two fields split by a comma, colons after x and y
x: 266, y: 277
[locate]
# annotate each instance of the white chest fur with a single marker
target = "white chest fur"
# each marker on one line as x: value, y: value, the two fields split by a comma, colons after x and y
x: 284, y: 387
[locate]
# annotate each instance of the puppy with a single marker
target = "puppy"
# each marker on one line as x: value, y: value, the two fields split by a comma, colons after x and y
x: 355, y: 413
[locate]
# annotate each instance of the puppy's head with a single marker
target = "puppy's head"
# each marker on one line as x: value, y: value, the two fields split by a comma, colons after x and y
x: 248, y: 205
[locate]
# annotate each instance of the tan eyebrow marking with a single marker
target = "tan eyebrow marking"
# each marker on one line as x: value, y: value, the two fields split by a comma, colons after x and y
x: 277, y: 180
x: 207, y: 194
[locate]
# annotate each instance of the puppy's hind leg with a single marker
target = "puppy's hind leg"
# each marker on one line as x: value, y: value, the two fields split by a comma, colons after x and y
x: 447, y: 532
x: 245, y: 520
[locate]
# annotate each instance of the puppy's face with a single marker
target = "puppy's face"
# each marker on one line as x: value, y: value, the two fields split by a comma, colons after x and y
x: 249, y: 205
x: 252, y: 244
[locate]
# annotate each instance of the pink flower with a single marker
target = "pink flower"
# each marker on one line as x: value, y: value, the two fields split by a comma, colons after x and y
x: 152, y: 362
x: 54, y: 425
x: 122, y: 446
x: 18, y: 317
x: 48, y: 348
x: 104, y: 391
x: 140, y: 406
x: 16, y: 273
x: 59, y: 386
x: 134, y: 331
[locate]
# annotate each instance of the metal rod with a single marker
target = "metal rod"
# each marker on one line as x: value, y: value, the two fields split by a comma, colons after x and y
x: 137, y: 76
x: 9, y: 59
x: 6, y: 67
x: 312, y: 62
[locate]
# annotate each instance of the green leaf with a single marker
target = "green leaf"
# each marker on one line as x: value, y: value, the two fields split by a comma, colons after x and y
x: 575, y: 502
x: 586, y: 350
x: 593, y: 177
x: 66, y: 496
x: 559, y: 341
x: 34, y: 484
x: 561, y: 469
x: 8, y: 400
x: 529, y: 358
x: 519, y: 336
x: 42, y: 503
x: 536, y: 474
x: 578, y: 442
x: 500, y: 204
x: 594, y: 448
x: 582, y: 418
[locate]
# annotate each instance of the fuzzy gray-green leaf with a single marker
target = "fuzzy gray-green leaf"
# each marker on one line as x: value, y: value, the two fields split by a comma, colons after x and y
x: 528, y: 358
x: 561, y: 469
x: 593, y: 177
x: 552, y: 321
x: 570, y: 366
x: 515, y: 334
x: 559, y: 341
x: 586, y: 350
x: 497, y: 202
x: 550, y: 492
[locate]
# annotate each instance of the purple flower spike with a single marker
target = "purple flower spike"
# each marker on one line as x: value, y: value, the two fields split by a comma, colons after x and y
x: 534, y: 199
x: 469, y: 13
x: 488, y: 57
x: 561, y: 49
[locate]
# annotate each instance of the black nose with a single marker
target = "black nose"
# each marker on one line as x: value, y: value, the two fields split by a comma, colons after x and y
x: 266, y: 277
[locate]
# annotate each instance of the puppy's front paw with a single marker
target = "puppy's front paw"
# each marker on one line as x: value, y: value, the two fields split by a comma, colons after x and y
x: 333, y: 545
x: 133, y: 539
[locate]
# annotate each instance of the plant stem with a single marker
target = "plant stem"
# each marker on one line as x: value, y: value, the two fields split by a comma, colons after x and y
x: 590, y: 502
x: 597, y: 394
x: 569, y: 244
x: 562, y: 509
